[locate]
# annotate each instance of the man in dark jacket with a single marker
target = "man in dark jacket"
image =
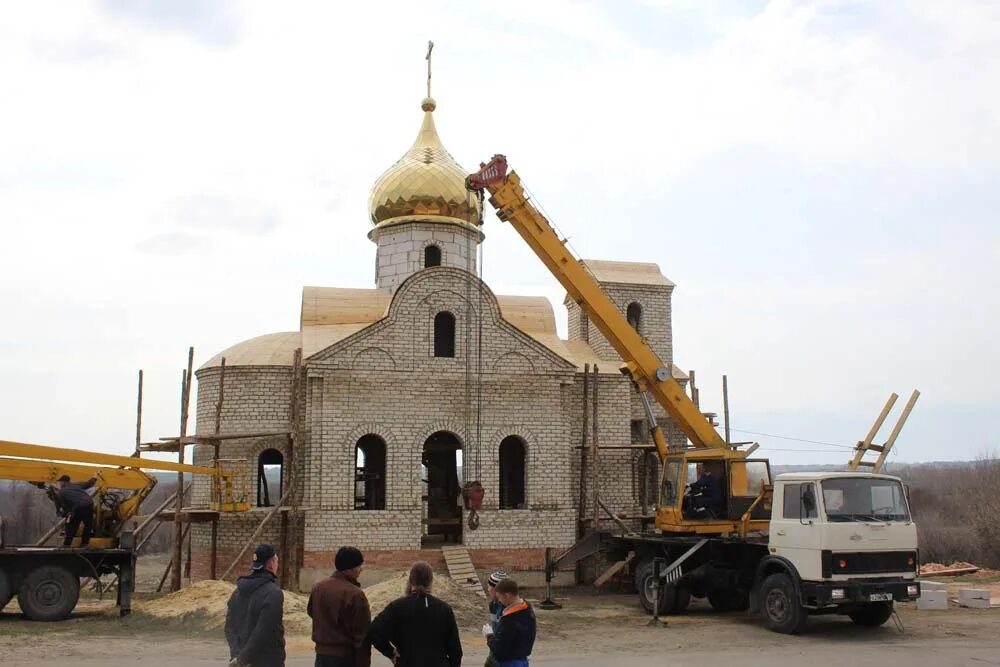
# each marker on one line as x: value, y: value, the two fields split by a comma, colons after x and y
x: 78, y: 507
x: 418, y: 629
x: 254, y: 627
x: 340, y: 614
x: 515, y: 635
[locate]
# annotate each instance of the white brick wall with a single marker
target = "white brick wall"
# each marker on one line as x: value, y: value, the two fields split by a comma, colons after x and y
x: 385, y: 380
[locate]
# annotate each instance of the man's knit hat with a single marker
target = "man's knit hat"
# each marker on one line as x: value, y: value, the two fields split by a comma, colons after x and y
x: 496, y: 578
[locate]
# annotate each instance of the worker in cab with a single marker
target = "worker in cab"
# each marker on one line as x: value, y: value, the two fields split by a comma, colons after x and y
x: 706, y: 495
x: 78, y: 507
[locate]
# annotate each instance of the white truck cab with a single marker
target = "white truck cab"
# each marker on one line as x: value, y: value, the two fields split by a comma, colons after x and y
x: 838, y: 543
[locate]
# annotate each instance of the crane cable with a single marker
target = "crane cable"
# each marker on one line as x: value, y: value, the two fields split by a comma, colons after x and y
x: 472, y: 491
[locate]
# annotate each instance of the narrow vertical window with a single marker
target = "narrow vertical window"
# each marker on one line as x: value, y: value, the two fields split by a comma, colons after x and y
x: 432, y: 256
x: 634, y: 316
x: 511, y: 473
x: 444, y: 334
x: 270, y: 471
x: 369, y: 473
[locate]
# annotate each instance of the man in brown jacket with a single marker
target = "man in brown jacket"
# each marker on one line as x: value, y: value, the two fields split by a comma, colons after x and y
x: 340, y: 614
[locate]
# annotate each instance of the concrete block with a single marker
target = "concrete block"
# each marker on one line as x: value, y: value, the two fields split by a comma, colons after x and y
x: 974, y: 598
x: 933, y: 601
x: 932, y: 586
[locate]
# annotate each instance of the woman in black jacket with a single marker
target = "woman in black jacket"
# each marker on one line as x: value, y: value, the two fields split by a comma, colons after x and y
x: 418, y: 629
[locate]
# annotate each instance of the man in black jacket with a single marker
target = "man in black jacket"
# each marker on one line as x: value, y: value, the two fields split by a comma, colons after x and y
x: 254, y: 626
x: 515, y: 634
x: 418, y: 629
x: 78, y: 507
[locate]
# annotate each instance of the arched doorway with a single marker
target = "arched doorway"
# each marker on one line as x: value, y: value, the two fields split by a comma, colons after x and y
x: 441, y: 479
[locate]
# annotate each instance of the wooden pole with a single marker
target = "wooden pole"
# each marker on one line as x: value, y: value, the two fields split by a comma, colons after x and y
x: 582, y: 502
x: 581, y: 527
x: 138, y: 417
x: 594, y: 454
x: 286, y: 567
x: 170, y: 566
x: 216, y: 489
x: 294, y: 559
x: 695, y: 398
x: 895, y: 431
x: 175, y: 579
x: 215, y: 549
x: 725, y: 404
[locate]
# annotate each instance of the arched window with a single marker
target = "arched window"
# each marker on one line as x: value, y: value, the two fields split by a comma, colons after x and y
x: 444, y: 334
x: 432, y: 256
x: 634, y: 316
x: 511, y: 473
x: 270, y: 477
x: 369, y: 473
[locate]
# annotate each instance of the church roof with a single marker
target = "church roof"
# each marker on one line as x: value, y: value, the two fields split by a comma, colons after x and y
x: 274, y: 349
x: 630, y: 273
x: 331, y: 314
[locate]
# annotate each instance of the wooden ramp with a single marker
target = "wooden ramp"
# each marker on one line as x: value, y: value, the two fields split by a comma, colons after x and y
x: 460, y: 568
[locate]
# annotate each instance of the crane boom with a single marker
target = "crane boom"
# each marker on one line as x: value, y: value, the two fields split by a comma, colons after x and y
x: 642, y: 364
x: 42, y: 464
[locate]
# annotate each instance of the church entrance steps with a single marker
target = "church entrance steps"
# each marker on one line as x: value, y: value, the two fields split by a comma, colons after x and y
x: 460, y: 568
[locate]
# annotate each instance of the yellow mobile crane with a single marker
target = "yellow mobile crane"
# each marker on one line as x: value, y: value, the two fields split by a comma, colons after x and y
x: 842, y: 543
x: 47, y: 579
x: 748, y: 480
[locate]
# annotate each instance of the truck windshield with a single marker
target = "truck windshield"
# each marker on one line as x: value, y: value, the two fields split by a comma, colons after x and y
x: 864, y: 499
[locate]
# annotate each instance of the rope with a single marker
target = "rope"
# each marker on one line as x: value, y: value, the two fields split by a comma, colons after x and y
x: 479, y: 369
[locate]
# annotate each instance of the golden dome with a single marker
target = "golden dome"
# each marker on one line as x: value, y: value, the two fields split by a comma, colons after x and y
x: 425, y: 185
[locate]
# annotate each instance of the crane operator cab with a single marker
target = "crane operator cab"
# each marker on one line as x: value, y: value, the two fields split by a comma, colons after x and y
x: 714, y: 492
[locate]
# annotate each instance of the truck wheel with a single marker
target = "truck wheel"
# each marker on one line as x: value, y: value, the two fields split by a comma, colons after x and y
x: 49, y: 593
x: 872, y: 615
x: 670, y: 598
x: 728, y: 600
x: 6, y: 591
x: 780, y: 605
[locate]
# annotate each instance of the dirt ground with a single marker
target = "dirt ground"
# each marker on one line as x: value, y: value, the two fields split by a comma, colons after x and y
x: 597, y: 629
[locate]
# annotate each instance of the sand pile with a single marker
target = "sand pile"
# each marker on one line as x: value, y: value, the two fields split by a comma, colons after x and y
x: 202, y: 605
x: 470, y: 609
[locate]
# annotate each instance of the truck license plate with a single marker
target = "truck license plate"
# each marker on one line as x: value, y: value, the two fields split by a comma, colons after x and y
x: 880, y: 597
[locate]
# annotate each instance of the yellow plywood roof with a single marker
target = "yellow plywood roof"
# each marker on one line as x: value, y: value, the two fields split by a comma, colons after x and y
x: 530, y: 314
x: 275, y: 349
x: 632, y: 273
x: 318, y: 338
x: 343, y: 305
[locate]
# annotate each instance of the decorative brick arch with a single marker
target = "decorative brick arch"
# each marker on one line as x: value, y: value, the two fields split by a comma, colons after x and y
x: 440, y: 247
x: 373, y: 358
x: 391, y: 444
x: 257, y: 447
x: 527, y: 438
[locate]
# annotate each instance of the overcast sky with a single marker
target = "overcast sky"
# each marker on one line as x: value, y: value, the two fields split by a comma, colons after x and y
x: 820, y: 179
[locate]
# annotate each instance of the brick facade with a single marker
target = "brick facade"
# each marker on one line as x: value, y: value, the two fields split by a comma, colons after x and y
x: 384, y: 380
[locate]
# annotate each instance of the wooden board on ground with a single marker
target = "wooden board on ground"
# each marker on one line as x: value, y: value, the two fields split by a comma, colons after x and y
x: 460, y: 568
x: 613, y: 570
